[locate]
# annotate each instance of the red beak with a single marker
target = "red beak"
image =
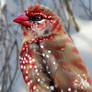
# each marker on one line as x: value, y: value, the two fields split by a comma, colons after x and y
x: 22, y: 19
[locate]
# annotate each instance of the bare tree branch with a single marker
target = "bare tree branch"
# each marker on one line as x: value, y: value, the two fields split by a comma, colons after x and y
x: 71, y: 15
x: 16, y: 69
x: 86, y: 9
x: 57, y: 8
x: 21, y: 6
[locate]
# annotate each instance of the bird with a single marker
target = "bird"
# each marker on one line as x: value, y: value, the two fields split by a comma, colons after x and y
x: 49, y: 60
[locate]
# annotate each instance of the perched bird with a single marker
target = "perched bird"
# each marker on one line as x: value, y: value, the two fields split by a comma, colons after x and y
x: 49, y: 61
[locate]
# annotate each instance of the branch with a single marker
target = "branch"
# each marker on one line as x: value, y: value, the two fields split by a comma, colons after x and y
x: 55, y: 6
x: 71, y: 15
x: 21, y: 6
x: 16, y: 70
x: 86, y: 9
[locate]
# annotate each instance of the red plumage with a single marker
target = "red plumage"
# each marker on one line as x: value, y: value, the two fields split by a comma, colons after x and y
x: 49, y: 60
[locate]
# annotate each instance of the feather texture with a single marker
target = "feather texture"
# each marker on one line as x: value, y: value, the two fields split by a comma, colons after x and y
x: 49, y: 61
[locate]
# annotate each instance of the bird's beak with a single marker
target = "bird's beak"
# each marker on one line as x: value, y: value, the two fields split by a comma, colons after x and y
x: 22, y: 19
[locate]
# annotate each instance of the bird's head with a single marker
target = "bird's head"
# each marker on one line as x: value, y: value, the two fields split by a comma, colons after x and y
x: 38, y: 21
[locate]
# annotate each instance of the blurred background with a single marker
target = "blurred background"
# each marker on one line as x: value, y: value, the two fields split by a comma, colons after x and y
x: 76, y: 16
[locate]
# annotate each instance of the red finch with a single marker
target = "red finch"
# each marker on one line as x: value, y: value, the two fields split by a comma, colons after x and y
x: 49, y: 61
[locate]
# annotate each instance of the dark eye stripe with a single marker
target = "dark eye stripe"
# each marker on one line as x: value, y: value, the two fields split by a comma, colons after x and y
x: 36, y: 18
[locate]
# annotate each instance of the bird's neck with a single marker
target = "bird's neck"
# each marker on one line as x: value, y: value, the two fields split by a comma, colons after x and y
x: 39, y: 39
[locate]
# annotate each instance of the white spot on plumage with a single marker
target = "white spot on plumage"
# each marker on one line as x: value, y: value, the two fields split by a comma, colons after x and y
x: 38, y: 80
x: 32, y: 39
x: 23, y: 62
x: 31, y: 66
x: 24, y: 58
x: 49, y: 72
x: 21, y: 66
x: 34, y: 87
x: 47, y: 67
x: 30, y: 58
x: 38, y: 74
x: 26, y: 54
x: 23, y: 48
x: 43, y: 54
x: 31, y: 81
x: 47, y: 56
x: 26, y: 77
x: 42, y: 46
x: 49, y: 16
x: 26, y: 72
x: 26, y: 61
x: 47, y: 87
x: 35, y: 66
x: 28, y: 83
x: 49, y: 51
x: 52, y: 87
x: 69, y: 89
x: 36, y: 70
x: 44, y: 61
x: 30, y: 61
x: 24, y: 67
x: 62, y: 49
x: 33, y: 60
x: 54, y: 62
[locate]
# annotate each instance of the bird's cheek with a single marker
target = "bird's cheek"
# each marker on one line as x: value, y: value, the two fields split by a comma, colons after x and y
x: 40, y: 26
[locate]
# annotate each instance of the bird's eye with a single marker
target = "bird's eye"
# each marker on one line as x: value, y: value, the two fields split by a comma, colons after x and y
x: 36, y: 18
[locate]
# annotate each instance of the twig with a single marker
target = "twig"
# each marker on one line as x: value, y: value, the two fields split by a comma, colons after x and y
x: 71, y: 15
x: 55, y: 6
x: 21, y: 5
x: 86, y: 9
x: 14, y: 76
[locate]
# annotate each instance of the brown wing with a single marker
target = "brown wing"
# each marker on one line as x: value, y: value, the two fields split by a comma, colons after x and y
x: 66, y: 66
